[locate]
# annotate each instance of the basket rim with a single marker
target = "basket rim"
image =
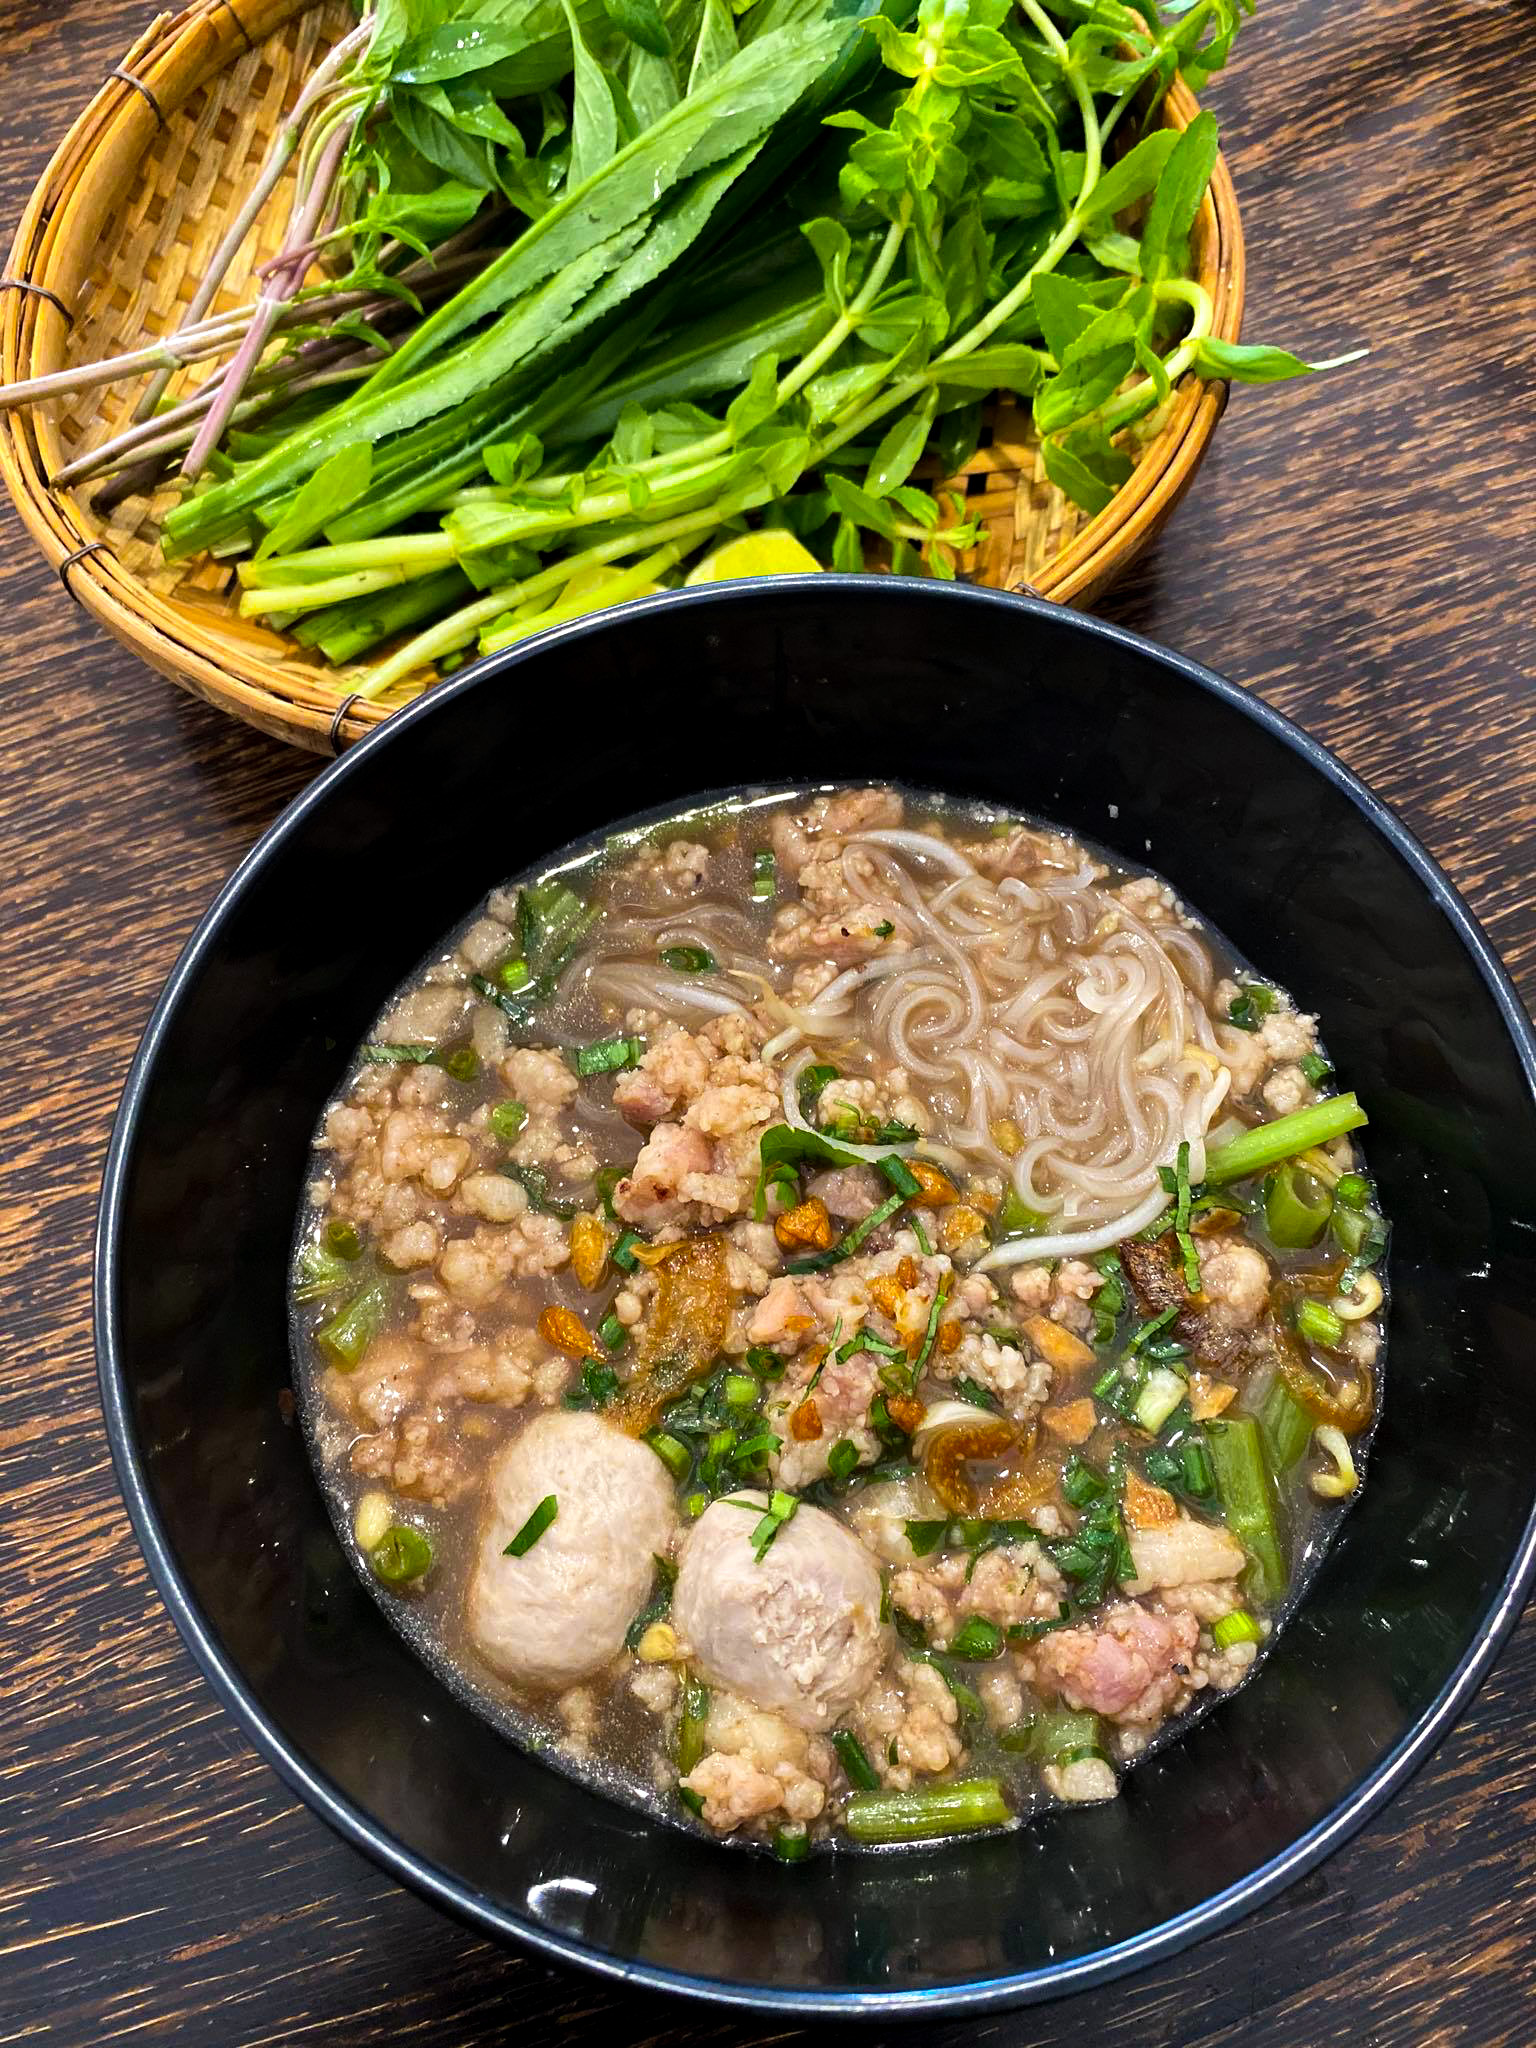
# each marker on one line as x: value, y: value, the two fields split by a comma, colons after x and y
x: 88, y: 175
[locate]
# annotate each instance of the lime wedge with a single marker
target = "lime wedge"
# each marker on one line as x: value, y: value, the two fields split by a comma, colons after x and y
x: 773, y: 552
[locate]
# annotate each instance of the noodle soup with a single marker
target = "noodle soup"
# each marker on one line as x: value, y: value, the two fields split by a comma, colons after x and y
x: 844, y: 1316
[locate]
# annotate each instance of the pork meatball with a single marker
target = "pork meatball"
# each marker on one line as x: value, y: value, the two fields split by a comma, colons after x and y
x: 797, y: 1632
x: 559, y: 1612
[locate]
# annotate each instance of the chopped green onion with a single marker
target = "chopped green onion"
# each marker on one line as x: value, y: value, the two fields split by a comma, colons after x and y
x: 1016, y: 1219
x: 689, y: 959
x: 612, y: 1332
x: 741, y: 1390
x: 1158, y: 1395
x: 696, y: 1503
x: 599, y: 1383
x: 1109, y: 1300
x: 1316, y: 1321
x: 463, y: 1063
x: 812, y: 1080
x: 1080, y: 1483
x: 978, y: 1641
x: 925, y: 1811
x: 791, y: 1843
x: 851, y: 1754
x: 1198, y: 1476
x: 1254, y: 1002
x: 765, y: 1362
x: 842, y: 1460
x: 978, y: 1396
x: 781, y: 1509
x: 535, y: 1181
x: 1271, y: 1144
x: 343, y: 1238
x: 529, y: 1534
x: 915, y: 1225
x: 1364, y: 1236
x: 623, y: 1253
x: 1296, y: 1207
x: 1247, y: 1492
x: 1237, y: 1627
x: 609, y: 1056
x: 658, y: 1606
x: 765, y: 875
x: 1353, y: 1191
x: 401, y: 1554
x: 1314, y: 1068
x: 900, y: 1176
x: 1066, y: 1737
x: 605, y: 1180
x: 1286, y: 1426
x: 321, y: 1272
x: 691, y: 1729
x: 514, y: 974
x: 353, y: 1328
x: 506, y: 1120
x: 884, y: 928
x: 1176, y: 1182
x: 398, y: 1055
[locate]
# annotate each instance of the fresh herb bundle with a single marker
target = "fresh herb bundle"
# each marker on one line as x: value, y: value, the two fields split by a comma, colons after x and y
x: 613, y: 282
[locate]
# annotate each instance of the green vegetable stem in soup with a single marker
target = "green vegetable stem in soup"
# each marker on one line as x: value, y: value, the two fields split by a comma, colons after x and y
x: 844, y: 1317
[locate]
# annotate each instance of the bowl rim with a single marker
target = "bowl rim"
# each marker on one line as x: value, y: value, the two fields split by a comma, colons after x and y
x: 420, y: 1873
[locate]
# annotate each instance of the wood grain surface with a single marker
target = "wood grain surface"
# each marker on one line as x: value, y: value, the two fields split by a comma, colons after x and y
x: 1362, y: 550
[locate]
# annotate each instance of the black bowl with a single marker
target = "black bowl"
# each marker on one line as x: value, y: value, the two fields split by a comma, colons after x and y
x: 821, y: 679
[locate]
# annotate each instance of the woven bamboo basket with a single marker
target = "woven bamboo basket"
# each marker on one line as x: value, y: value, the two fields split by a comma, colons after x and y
x: 121, y: 226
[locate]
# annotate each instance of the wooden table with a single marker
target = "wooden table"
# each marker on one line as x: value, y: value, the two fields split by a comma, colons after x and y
x: 1360, y: 550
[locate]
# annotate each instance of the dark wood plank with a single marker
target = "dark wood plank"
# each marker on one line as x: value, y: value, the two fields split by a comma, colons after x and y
x: 1359, y: 550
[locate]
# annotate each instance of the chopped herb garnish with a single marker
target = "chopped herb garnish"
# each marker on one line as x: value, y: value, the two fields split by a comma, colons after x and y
x: 765, y: 875
x: 506, y: 1120
x: 514, y: 974
x: 675, y: 1455
x: 1031, y: 1631
x: 1110, y: 1299
x: 978, y: 1396
x: 401, y: 1554
x: 915, y: 1225
x: 598, y: 1385
x: 345, y: 1239
x: 1176, y: 1181
x: 781, y: 1509
x: 1314, y: 1068
x: 1016, y: 1219
x: 659, y: 1605
x: 884, y: 928
x: 940, y: 1296
x: 1150, y: 1328
x: 765, y: 1362
x: 605, y: 1180
x: 1251, y: 1005
x: 791, y: 1842
x: 1082, y: 1483
x: 353, y: 1328
x: 866, y: 1340
x: 462, y: 1062
x: 808, y: 1089
x: 536, y: 1181
x: 784, y: 1148
x: 858, y: 1769
x: 741, y: 1390
x: 1352, y: 1192
x: 689, y: 959
x: 529, y: 1534
x: 609, y: 1056
x: 925, y: 1537
x: 978, y: 1641
x: 623, y: 1253
x: 845, y: 1247
x: 321, y: 1272
x: 842, y: 1460
x: 612, y: 1332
